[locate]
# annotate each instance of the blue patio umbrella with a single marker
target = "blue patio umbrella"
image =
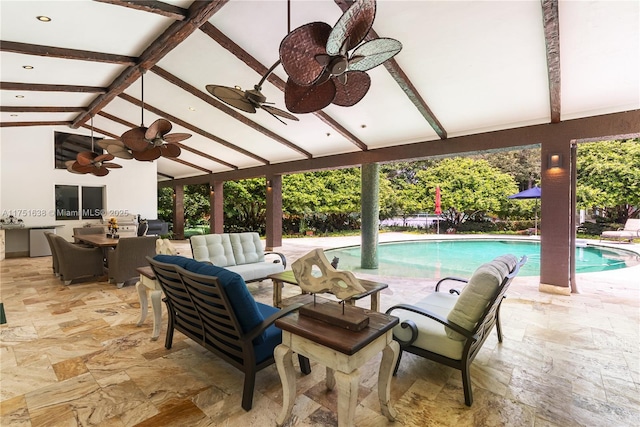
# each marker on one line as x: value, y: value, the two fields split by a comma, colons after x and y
x: 531, y: 193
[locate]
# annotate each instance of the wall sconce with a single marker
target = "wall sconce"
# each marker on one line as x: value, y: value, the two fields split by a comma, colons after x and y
x: 555, y: 161
x: 269, y: 183
x: 211, y: 188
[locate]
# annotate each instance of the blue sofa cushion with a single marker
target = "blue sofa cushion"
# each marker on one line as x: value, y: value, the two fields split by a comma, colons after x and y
x: 272, y: 336
x: 243, y: 303
x: 178, y: 260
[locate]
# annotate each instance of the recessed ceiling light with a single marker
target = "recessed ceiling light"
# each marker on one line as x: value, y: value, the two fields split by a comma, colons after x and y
x: 192, y: 109
x: 19, y: 96
x: 28, y: 67
x: 13, y: 115
x: 328, y: 134
x: 363, y: 126
x: 43, y: 18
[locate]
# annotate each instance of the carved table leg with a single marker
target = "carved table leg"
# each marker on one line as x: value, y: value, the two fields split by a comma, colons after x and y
x: 330, y: 379
x: 156, y: 297
x: 283, y: 358
x: 144, y: 305
x: 375, y: 301
x: 388, y: 363
x: 347, y: 396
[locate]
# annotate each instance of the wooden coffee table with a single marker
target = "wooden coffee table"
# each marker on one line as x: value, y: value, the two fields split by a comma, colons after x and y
x: 372, y: 288
x: 343, y: 352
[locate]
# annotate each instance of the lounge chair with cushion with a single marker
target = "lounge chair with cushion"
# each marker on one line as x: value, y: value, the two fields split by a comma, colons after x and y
x: 449, y: 328
x: 630, y: 231
x: 213, y: 307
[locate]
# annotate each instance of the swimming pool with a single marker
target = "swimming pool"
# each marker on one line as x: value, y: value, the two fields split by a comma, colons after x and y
x: 442, y: 258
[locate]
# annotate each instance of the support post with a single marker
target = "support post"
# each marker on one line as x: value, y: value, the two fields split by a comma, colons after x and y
x: 216, y: 210
x: 178, y: 212
x: 370, y: 209
x: 274, y: 212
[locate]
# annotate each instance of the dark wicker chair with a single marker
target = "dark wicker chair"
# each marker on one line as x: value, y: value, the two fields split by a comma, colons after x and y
x: 216, y: 310
x: 449, y: 328
x: 54, y: 253
x: 75, y: 261
x: 131, y: 253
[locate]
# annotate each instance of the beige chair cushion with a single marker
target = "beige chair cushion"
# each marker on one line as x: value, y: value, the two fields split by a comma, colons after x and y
x: 475, y: 297
x: 432, y: 336
x: 508, y: 262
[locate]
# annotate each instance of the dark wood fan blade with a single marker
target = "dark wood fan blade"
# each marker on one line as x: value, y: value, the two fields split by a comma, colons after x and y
x: 307, y: 99
x: 357, y: 86
x: 157, y: 129
x: 101, y: 171
x: 111, y: 165
x: 374, y: 53
x: 134, y: 139
x: 232, y: 96
x: 298, y: 52
x: 105, y: 143
x: 176, y: 137
x: 77, y: 167
x: 121, y: 152
x: 278, y: 112
x: 85, y: 158
x: 69, y: 164
x: 170, y: 150
x: 103, y: 157
x: 352, y: 27
x: 147, y: 155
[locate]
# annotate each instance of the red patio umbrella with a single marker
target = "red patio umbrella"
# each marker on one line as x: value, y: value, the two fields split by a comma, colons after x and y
x: 438, y: 210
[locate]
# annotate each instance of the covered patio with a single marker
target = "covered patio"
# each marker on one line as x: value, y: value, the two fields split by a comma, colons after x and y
x: 471, y: 77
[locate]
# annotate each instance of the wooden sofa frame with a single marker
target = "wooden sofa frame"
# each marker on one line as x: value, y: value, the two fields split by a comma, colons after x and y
x: 199, y: 307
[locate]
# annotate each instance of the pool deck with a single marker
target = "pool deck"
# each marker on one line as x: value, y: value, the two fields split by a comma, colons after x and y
x: 73, y: 355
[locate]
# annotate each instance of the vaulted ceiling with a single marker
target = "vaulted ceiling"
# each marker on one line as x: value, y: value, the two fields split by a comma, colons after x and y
x: 466, y: 67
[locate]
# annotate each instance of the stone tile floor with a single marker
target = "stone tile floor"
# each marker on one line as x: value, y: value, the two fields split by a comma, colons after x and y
x: 72, y: 355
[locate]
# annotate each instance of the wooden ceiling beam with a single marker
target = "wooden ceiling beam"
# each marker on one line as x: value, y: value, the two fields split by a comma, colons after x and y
x: 198, y: 13
x: 228, y: 110
x: 23, y: 124
x: 8, y: 109
x: 159, y: 8
x: 224, y: 41
x: 191, y: 165
x: 63, y: 53
x: 35, y: 87
x: 403, y: 81
x: 551, y: 22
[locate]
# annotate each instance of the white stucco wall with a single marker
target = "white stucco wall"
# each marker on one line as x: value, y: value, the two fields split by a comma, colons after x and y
x: 28, y: 179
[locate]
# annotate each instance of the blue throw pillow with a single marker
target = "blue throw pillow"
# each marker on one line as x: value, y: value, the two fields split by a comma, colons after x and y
x: 243, y: 303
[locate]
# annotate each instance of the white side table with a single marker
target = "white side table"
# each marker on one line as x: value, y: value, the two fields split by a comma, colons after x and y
x: 343, y: 352
x: 146, y: 283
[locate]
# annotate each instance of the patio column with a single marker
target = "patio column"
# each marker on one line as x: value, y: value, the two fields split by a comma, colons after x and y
x: 274, y: 212
x: 178, y: 212
x: 370, y: 208
x: 216, y: 210
x: 556, y: 233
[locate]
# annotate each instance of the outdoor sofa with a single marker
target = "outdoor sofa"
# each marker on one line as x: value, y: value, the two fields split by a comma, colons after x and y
x: 241, y: 253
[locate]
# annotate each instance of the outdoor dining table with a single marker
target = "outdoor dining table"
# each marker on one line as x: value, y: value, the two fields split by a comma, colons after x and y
x: 99, y: 241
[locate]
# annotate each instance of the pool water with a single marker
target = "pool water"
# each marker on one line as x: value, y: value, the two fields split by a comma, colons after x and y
x: 437, y: 259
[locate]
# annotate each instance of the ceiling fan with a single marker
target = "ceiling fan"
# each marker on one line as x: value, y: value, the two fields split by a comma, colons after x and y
x: 91, y: 162
x: 148, y: 144
x: 250, y: 100
x: 321, y: 69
